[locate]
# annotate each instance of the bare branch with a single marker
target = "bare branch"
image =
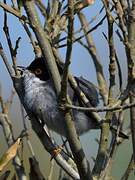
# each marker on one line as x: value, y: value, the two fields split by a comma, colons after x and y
x: 43, y: 42
x: 129, y: 169
x: 131, y: 69
x: 104, y: 109
x: 16, y: 13
x: 42, y: 7
x: 8, y: 132
x: 93, y: 52
x: 3, y: 55
x: 12, y: 51
x: 80, y: 159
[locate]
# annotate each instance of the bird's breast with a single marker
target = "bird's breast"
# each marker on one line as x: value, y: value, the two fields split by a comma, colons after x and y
x: 40, y: 99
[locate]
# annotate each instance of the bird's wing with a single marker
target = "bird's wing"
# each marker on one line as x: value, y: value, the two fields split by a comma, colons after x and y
x: 89, y: 90
x: 85, y: 86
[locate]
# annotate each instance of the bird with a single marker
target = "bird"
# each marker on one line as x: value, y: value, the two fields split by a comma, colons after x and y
x: 40, y: 99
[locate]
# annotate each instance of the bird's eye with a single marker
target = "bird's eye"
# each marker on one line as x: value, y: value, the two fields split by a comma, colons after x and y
x: 38, y: 71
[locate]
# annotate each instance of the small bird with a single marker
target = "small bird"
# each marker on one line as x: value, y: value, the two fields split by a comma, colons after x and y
x: 39, y: 97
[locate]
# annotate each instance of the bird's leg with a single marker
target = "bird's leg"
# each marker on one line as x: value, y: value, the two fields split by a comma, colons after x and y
x: 56, y: 151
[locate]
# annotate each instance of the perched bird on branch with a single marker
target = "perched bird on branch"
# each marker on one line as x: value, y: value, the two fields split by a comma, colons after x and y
x: 40, y: 99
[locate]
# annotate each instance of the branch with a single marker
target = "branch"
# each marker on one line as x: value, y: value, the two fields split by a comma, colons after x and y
x: 76, y: 88
x: 33, y: 40
x: 85, y: 34
x: 129, y: 169
x: 103, y: 109
x: 80, y: 159
x: 50, y: 147
x: 35, y: 172
x: 12, y: 51
x: 93, y: 52
x: 5, y: 60
x: 131, y: 69
x: 9, y: 136
x: 43, y: 43
x: 11, y: 10
x: 45, y: 139
x: 41, y: 7
x: 49, y: 58
x: 102, y: 158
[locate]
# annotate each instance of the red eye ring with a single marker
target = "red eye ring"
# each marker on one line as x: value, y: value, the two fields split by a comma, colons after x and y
x: 38, y: 71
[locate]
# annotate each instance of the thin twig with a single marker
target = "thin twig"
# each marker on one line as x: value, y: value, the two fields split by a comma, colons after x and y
x: 8, y: 132
x: 80, y: 159
x: 8, y: 66
x: 131, y: 69
x: 11, y: 10
x: 41, y: 7
x: 103, y: 109
x: 103, y: 89
x: 79, y: 38
x: 12, y: 51
x: 27, y: 137
x: 51, y: 171
x: 129, y: 169
x: 33, y: 40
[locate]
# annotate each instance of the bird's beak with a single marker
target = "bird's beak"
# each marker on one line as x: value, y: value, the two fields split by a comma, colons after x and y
x: 21, y: 69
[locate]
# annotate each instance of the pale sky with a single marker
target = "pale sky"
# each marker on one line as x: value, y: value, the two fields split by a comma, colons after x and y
x: 82, y: 64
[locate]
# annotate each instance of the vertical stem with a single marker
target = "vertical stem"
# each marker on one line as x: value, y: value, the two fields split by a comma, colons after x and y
x: 131, y: 69
x: 9, y: 136
x: 78, y: 153
x: 93, y: 52
x: 12, y: 52
x: 43, y: 43
x: 129, y: 169
x: 104, y: 139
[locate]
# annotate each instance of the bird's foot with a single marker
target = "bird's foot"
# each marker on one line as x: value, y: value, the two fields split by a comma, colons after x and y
x: 56, y: 151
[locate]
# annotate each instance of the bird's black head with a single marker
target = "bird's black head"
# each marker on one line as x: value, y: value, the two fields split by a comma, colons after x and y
x: 39, y: 68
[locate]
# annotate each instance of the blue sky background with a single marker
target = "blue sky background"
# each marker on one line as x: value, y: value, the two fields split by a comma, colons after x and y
x: 81, y: 61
